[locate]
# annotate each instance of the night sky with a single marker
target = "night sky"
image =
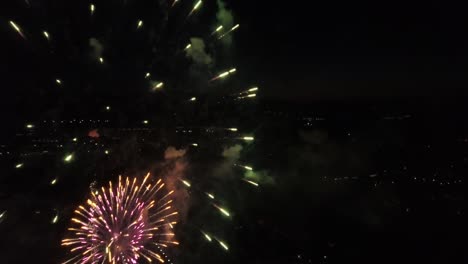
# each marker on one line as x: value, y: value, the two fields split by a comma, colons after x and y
x: 312, y: 132
x: 334, y: 49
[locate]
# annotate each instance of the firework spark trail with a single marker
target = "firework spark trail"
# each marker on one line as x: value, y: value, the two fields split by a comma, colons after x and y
x: 245, y: 167
x: 195, y: 8
x: 230, y: 31
x: 17, y: 29
x: 122, y: 223
x: 222, y: 210
x: 224, y: 74
x: 251, y: 182
x: 247, y: 92
x: 247, y: 96
x: 217, y: 30
x: 174, y: 2
x: 46, y: 35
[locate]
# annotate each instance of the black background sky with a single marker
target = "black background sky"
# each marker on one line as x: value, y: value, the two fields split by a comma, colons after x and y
x: 313, y: 50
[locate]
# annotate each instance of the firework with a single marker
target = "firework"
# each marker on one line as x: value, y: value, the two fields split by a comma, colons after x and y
x: 251, y: 182
x: 247, y: 96
x: 223, y: 244
x: 55, y: 219
x: 246, y: 167
x: 158, y: 85
x: 195, y: 7
x: 2, y: 216
x: 208, y: 237
x: 222, y: 210
x: 46, y: 35
x: 68, y: 158
x: 140, y: 24
x: 92, y: 8
x: 17, y: 28
x: 218, y: 29
x: 186, y: 183
x: 126, y: 223
x: 229, y: 32
x: 224, y: 74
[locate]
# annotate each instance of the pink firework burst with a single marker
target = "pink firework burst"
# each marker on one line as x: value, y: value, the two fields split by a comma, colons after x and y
x: 123, y: 224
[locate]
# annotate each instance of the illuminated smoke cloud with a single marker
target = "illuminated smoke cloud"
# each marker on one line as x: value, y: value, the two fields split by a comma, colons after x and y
x: 93, y: 133
x: 173, y: 153
x: 173, y: 172
x: 198, y: 53
x: 97, y: 48
x: 226, y: 168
